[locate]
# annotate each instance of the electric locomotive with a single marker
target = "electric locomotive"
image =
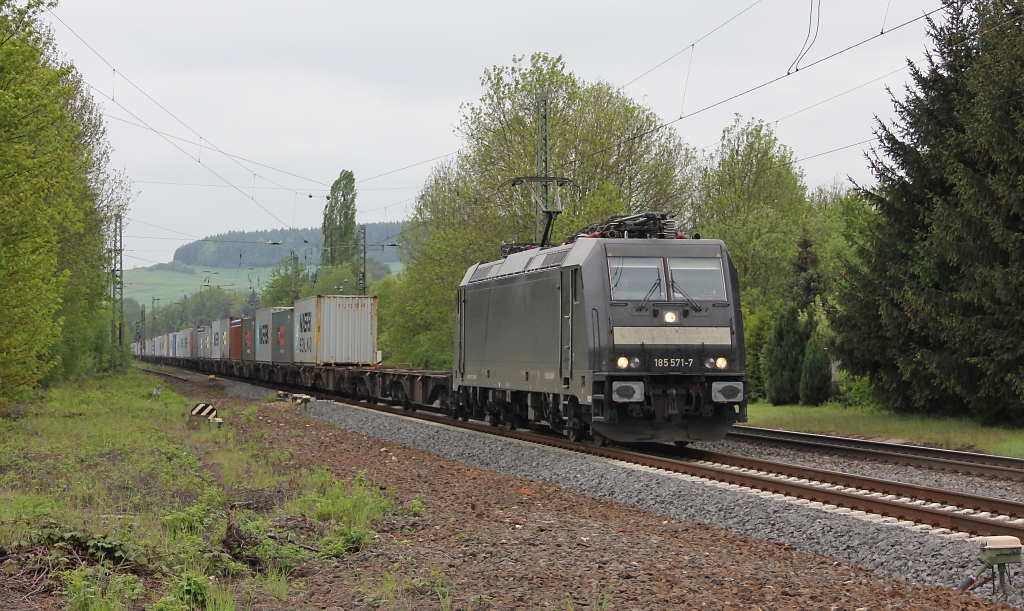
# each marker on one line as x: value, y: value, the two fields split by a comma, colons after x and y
x: 629, y: 331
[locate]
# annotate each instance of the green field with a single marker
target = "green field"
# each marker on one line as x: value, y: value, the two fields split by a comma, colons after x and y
x: 873, y: 423
x: 143, y: 284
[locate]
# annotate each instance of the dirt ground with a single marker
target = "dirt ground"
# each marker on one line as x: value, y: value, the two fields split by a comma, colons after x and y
x: 491, y: 541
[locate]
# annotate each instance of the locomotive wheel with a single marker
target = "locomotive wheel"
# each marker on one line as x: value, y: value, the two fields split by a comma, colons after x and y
x: 491, y: 419
x: 599, y: 440
x: 573, y: 430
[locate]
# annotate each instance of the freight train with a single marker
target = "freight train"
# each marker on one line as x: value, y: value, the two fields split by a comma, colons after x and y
x: 628, y: 331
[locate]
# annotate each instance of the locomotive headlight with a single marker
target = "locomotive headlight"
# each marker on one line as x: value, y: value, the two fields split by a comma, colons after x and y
x: 622, y: 362
x: 721, y: 363
x: 634, y: 362
x: 670, y: 316
x: 709, y: 363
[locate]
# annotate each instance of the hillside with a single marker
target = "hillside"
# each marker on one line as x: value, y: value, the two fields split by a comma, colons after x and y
x: 257, y: 249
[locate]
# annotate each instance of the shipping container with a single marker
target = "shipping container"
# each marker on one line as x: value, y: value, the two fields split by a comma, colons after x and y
x: 172, y: 344
x: 220, y: 334
x: 202, y: 342
x: 235, y: 339
x: 264, y: 333
x: 336, y: 330
x: 249, y: 339
x: 282, y: 336
x: 184, y: 349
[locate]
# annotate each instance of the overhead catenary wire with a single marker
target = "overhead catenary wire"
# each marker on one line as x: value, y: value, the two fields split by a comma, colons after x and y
x: 750, y: 90
x: 691, y: 45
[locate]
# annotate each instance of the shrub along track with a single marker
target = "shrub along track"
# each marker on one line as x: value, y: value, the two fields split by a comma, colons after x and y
x: 490, y: 540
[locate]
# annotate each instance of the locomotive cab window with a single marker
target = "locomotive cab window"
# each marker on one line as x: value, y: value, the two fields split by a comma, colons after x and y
x: 697, y: 278
x: 636, y: 278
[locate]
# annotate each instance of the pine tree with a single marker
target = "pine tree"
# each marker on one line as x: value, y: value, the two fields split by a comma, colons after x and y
x: 783, y: 358
x: 815, y: 374
x: 934, y: 315
x: 809, y: 283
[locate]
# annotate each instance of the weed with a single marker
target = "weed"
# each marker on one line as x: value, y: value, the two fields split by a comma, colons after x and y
x: 249, y: 415
x: 191, y: 589
x: 271, y: 398
x: 275, y: 583
x: 416, y: 508
x: 221, y: 599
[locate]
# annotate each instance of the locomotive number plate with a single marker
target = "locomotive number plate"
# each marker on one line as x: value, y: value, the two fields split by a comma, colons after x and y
x: 672, y: 363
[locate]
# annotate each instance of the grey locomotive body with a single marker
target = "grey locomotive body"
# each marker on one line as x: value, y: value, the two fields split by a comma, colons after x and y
x: 620, y: 338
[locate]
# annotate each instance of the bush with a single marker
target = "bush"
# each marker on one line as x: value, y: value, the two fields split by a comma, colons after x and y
x: 816, y: 374
x: 757, y: 329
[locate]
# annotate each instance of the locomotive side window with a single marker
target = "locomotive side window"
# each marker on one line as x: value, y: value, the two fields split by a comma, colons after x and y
x: 636, y: 278
x: 701, y: 278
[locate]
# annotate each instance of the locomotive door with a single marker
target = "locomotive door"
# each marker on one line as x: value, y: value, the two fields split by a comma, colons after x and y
x: 460, y: 326
x: 568, y: 296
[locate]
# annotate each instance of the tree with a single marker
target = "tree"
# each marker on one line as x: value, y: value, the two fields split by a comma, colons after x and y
x: 752, y: 196
x: 783, y: 357
x: 934, y: 313
x: 808, y: 283
x: 58, y: 199
x: 341, y: 243
x: 815, y: 374
x: 612, y: 147
x: 288, y: 281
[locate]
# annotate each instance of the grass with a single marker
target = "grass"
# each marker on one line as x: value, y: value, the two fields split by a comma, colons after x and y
x: 875, y: 423
x: 111, y: 485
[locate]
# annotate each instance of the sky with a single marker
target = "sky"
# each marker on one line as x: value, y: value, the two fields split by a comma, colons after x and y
x: 296, y: 92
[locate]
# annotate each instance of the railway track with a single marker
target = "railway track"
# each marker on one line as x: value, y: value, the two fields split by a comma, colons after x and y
x: 869, y: 498
x: 916, y: 456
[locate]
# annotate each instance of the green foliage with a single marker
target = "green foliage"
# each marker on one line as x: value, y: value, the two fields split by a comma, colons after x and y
x: 341, y: 240
x: 782, y: 360
x: 462, y: 216
x: 288, y: 282
x: 416, y: 508
x: 934, y: 315
x: 757, y: 328
x: 752, y: 196
x: 191, y: 590
x: 815, y: 374
x: 100, y: 589
x: 352, y: 509
x: 57, y: 201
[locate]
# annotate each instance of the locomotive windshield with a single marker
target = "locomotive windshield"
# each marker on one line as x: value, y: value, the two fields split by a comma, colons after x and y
x: 699, y: 278
x: 636, y: 277
x: 643, y: 278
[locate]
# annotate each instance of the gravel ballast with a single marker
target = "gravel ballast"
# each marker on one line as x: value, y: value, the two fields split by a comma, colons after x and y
x: 887, y: 550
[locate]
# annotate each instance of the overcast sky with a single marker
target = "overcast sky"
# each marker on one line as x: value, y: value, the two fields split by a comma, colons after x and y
x: 308, y: 88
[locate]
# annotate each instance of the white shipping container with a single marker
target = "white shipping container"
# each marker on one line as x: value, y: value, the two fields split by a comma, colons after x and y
x: 264, y: 333
x: 202, y: 338
x: 184, y: 344
x: 336, y: 330
x: 218, y: 327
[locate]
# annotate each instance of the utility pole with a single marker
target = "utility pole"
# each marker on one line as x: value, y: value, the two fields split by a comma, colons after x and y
x: 117, y: 298
x: 543, y: 162
x: 142, y: 331
x: 361, y: 282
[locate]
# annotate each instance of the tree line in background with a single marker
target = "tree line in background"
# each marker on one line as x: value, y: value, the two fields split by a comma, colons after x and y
x: 58, y: 202
x: 264, y: 248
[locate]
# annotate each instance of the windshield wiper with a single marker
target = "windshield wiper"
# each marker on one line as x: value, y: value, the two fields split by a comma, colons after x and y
x: 654, y: 287
x: 689, y: 300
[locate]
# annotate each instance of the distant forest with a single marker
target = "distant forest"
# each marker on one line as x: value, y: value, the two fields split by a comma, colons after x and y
x: 251, y: 248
